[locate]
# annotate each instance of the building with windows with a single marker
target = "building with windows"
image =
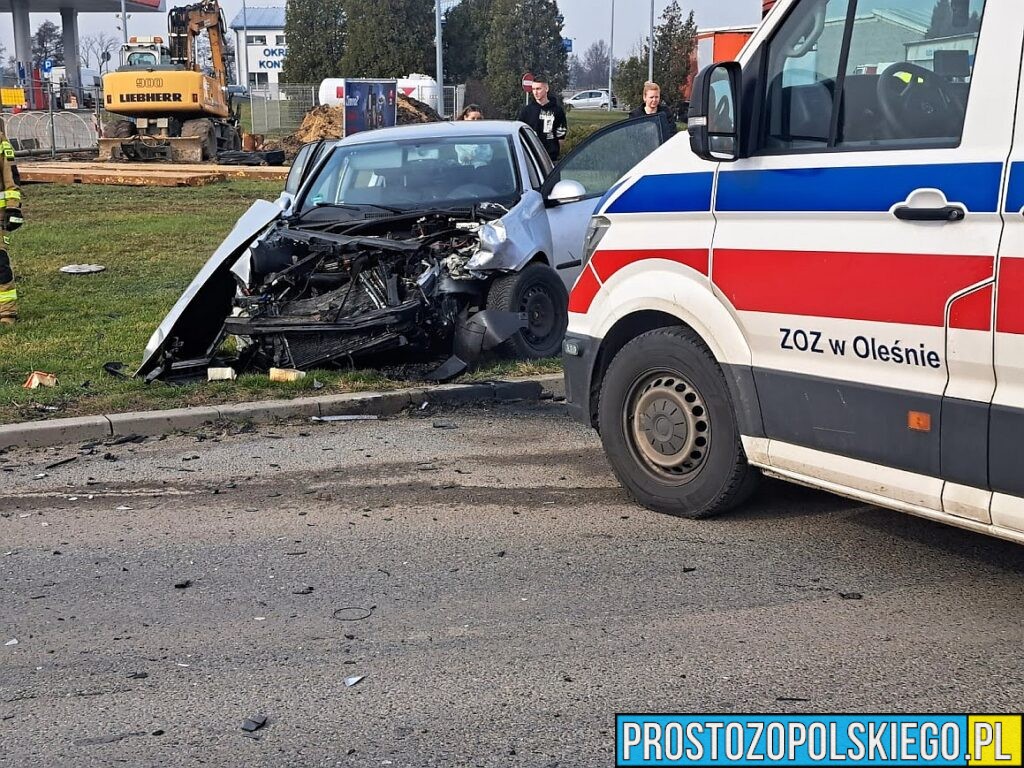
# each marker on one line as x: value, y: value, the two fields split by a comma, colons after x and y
x: 265, y: 45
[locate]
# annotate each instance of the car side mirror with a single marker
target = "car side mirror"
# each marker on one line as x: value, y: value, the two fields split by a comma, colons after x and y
x: 713, y: 120
x: 567, y: 191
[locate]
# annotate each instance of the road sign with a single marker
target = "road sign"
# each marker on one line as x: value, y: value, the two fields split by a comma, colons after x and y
x: 567, y: 44
x: 528, y: 82
x: 47, y: 67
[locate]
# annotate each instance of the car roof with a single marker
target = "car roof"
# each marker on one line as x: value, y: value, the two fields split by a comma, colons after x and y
x: 487, y: 128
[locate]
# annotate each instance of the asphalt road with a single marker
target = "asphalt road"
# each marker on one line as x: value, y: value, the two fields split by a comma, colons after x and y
x: 500, y: 596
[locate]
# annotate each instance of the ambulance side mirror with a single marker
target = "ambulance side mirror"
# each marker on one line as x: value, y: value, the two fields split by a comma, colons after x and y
x: 713, y: 120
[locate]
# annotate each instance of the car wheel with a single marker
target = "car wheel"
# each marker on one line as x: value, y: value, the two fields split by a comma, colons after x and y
x: 538, y: 293
x: 669, y: 428
x: 119, y: 129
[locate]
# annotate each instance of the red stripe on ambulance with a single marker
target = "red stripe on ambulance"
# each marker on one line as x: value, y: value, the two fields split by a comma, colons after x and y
x: 1010, y: 318
x: 877, y: 287
x: 607, y: 263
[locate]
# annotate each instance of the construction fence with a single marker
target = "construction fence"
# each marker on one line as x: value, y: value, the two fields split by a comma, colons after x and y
x: 49, y: 117
x: 278, y: 109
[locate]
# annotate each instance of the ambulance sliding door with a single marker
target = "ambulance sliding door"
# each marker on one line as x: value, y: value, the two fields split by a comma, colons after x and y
x: 856, y: 224
x: 1006, y: 432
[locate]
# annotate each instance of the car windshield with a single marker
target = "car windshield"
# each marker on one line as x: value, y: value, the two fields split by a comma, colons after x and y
x: 428, y: 173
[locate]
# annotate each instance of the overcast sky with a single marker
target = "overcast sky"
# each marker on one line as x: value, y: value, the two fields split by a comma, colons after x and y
x: 586, y: 21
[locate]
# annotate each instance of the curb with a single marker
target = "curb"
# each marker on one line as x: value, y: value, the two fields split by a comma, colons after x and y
x: 37, y: 434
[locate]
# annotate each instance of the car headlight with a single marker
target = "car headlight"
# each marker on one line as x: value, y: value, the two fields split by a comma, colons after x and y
x: 596, y: 230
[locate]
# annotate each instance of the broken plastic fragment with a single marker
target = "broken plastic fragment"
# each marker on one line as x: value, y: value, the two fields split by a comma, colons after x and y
x: 286, y: 374
x: 12, y: 641
x: 221, y: 374
x: 38, y: 379
x: 350, y: 681
x: 351, y: 417
x: 254, y: 723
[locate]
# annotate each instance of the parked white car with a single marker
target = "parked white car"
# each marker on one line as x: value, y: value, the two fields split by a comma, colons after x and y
x: 597, y: 99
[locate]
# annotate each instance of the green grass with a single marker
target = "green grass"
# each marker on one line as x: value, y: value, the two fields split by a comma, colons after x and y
x: 152, y: 242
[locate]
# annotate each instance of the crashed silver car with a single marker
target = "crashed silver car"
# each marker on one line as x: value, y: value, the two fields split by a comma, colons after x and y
x: 444, y: 241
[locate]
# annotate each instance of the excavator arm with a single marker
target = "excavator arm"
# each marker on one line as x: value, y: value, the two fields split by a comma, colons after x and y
x: 185, y: 24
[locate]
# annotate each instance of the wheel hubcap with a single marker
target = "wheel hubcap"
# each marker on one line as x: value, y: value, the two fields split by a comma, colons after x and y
x: 668, y: 425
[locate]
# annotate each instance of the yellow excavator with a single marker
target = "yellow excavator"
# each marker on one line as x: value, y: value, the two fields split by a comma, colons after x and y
x: 168, y: 108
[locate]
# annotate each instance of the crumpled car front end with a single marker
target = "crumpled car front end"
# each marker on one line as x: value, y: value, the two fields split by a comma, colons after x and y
x: 329, y: 294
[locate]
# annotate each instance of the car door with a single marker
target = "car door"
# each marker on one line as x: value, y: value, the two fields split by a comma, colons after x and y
x: 595, y: 166
x: 1007, y: 413
x: 856, y: 242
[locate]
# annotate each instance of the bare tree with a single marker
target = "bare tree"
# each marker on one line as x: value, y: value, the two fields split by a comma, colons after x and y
x: 92, y: 47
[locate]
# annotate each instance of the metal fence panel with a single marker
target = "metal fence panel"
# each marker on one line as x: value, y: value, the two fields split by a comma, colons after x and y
x: 279, y: 108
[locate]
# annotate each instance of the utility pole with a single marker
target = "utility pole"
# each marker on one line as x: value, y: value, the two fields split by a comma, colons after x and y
x: 440, y: 57
x: 611, y: 58
x: 650, y: 48
x: 124, y: 22
x: 245, y: 47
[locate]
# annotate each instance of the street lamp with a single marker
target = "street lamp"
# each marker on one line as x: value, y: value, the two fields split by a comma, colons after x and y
x: 611, y: 58
x: 650, y: 48
x: 439, y: 57
x: 245, y: 47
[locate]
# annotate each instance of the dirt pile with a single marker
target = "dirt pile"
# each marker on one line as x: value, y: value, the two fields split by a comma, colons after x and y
x: 326, y: 122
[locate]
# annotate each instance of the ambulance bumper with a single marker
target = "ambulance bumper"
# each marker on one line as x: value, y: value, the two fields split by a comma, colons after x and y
x: 579, y: 353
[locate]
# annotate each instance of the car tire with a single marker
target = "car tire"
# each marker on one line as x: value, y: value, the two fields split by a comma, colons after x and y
x: 538, y: 292
x: 669, y: 428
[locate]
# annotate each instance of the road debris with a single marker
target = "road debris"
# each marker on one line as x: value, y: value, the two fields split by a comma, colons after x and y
x: 349, y: 417
x: 221, y: 374
x: 61, y: 462
x: 254, y: 723
x: 353, y: 613
x: 851, y: 595
x: 303, y: 591
x: 286, y: 374
x: 38, y: 379
x: 183, y: 584
x: 82, y: 269
x: 354, y: 680
x: 137, y: 675
x: 445, y: 425
x: 12, y: 641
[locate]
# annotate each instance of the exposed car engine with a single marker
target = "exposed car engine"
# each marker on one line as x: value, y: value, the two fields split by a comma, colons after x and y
x: 325, y: 294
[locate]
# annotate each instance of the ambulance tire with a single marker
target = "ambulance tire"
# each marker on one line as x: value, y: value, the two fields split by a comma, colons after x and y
x: 683, y: 456
x: 537, y: 292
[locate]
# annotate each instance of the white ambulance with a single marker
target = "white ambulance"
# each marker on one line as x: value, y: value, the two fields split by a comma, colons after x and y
x: 824, y: 281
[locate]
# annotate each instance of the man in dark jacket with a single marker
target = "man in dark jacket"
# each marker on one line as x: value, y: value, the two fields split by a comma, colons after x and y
x: 546, y: 117
x: 652, y: 105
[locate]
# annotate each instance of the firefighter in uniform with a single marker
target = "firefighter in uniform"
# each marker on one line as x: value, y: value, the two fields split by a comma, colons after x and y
x: 10, y: 205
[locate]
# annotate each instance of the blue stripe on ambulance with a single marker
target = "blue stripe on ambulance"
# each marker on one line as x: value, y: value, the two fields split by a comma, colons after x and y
x: 871, y: 189
x: 667, y: 193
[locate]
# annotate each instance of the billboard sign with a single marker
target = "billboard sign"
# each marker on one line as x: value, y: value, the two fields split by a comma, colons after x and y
x: 370, y: 104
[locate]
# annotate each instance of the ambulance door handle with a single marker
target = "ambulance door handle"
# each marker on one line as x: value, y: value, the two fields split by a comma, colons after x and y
x: 948, y: 213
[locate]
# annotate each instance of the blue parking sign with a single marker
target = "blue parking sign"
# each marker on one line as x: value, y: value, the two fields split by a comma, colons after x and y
x: 567, y: 44
x: 47, y: 66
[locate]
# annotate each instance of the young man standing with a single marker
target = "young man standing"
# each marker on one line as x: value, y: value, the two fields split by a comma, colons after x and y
x: 546, y: 117
x: 10, y: 207
x: 652, y: 106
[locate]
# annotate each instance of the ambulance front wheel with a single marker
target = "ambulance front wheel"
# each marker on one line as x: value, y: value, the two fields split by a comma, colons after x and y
x: 669, y: 428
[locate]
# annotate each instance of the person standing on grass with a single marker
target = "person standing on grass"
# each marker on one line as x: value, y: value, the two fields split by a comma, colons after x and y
x: 10, y: 204
x: 652, y: 106
x: 546, y: 117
